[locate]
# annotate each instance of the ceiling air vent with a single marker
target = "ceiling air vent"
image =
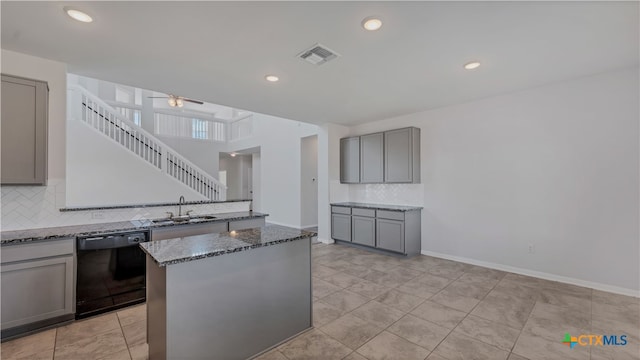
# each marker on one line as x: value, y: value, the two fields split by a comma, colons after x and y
x: 318, y: 54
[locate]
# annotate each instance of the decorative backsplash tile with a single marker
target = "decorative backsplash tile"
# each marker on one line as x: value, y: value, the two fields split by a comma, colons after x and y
x: 28, y: 207
x: 388, y: 194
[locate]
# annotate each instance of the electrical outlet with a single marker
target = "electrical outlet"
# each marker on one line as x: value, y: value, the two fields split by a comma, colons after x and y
x: 97, y: 215
x: 532, y: 248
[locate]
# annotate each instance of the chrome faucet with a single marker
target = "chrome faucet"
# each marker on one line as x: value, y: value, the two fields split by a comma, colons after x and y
x: 180, y: 203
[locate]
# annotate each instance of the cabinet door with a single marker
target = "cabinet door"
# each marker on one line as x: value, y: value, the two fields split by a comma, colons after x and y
x: 363, y: 230
x: 178, y: 231
x: 390, y: 235
x: 246, y: 224
x: 371, y: 158
x: 398, y: 156
x: 350, y: 160
x: 36, y: 290
x: 341, y: 227
x: 24, y: 131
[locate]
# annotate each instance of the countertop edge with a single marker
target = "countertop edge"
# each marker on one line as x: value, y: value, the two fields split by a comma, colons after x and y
x: 225, y: 252
x: 144, y: 226
x: 378, y: 206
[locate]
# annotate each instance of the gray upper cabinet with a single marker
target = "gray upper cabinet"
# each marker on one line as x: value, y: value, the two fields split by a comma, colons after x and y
x: 388, y: 157
x: 350, y: 160
x: 402, y: 156
x: 372, y: 158
x: 24, y: 131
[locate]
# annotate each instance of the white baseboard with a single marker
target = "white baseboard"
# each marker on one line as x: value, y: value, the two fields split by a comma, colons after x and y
x: 537, y: 274
x: 326, y: 241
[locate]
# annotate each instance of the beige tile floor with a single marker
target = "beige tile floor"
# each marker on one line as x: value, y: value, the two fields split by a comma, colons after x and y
x: 371, y: 306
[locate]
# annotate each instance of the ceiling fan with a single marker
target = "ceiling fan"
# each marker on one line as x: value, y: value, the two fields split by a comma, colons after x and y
x: 178, y: 101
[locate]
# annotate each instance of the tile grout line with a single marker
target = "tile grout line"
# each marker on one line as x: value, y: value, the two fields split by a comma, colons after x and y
x: 125, y: 338
x: 407, y: 313
x: 55, y: 344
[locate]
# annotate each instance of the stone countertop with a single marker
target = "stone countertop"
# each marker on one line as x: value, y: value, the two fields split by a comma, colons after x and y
x: 22, y: 236
x: 378, y: 206
x: 180, y: 250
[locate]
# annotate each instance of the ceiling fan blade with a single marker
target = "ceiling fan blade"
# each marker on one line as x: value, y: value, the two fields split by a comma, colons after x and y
x: 158, y: 97
x: 194, y: 101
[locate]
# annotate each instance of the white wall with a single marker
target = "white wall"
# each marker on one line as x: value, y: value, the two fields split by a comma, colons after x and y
x: 101, y: 172
x: 55, y: 74
x: 202, y: 153
x: 554, y: 166
x: 309, y: 181
x: 329, y: 187
x: 279, y: 143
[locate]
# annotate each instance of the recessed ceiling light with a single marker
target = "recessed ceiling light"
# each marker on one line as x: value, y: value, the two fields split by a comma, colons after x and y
x: 271, y: 78
x: 471, y: 65
x: 78, y: 15
x: 371, y: 23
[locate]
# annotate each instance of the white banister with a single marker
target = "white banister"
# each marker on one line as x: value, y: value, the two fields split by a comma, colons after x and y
x: 86, y: 107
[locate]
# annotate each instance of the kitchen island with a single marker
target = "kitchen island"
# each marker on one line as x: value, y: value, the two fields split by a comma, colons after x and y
x: 227, y: 295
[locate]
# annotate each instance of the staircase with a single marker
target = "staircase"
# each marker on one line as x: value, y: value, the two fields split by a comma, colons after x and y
x: 91, y: 110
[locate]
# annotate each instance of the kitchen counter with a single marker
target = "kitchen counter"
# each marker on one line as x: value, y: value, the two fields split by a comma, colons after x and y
x: 174, y: 251
x: 378, y: 206
x: 52, y: 233
x: 228, y: 296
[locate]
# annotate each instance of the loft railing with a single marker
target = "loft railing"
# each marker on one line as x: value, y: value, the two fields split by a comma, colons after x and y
x: 241, y: 128
x: 106, y: 120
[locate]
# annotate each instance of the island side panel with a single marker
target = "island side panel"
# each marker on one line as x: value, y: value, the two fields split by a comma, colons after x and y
x: 156, y: 310
x: 236, y: 305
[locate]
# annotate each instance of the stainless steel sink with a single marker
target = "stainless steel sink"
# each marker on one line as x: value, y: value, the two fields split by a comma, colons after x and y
x: 205, y: 217
x: 183, y: 219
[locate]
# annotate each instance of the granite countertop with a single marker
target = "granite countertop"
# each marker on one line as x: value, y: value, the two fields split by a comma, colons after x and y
x: 378, y: 206
x: 21, y: 236
x: 180, y: 250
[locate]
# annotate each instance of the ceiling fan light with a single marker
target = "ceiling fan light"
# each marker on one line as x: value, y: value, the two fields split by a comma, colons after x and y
x: 179, y: 102
x: 172, y: 101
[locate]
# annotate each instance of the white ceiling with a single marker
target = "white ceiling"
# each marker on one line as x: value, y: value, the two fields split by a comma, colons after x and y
x: 220, y: 51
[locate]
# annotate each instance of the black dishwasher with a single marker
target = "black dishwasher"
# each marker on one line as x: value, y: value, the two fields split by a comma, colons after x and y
x: 111, y: 272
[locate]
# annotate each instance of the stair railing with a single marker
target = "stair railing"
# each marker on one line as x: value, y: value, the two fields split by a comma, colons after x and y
x: 94, y: 112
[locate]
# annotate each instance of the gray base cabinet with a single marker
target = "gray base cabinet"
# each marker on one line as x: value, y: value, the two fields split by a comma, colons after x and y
x: 390, y: 234
x: 341, y: 227
x: 396, y: 231
x: 37, y: 282
x: 363, y: 230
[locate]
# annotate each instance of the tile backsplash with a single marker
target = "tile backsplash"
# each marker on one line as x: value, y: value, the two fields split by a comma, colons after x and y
x: 29, y: 207
x: 388, y: 194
